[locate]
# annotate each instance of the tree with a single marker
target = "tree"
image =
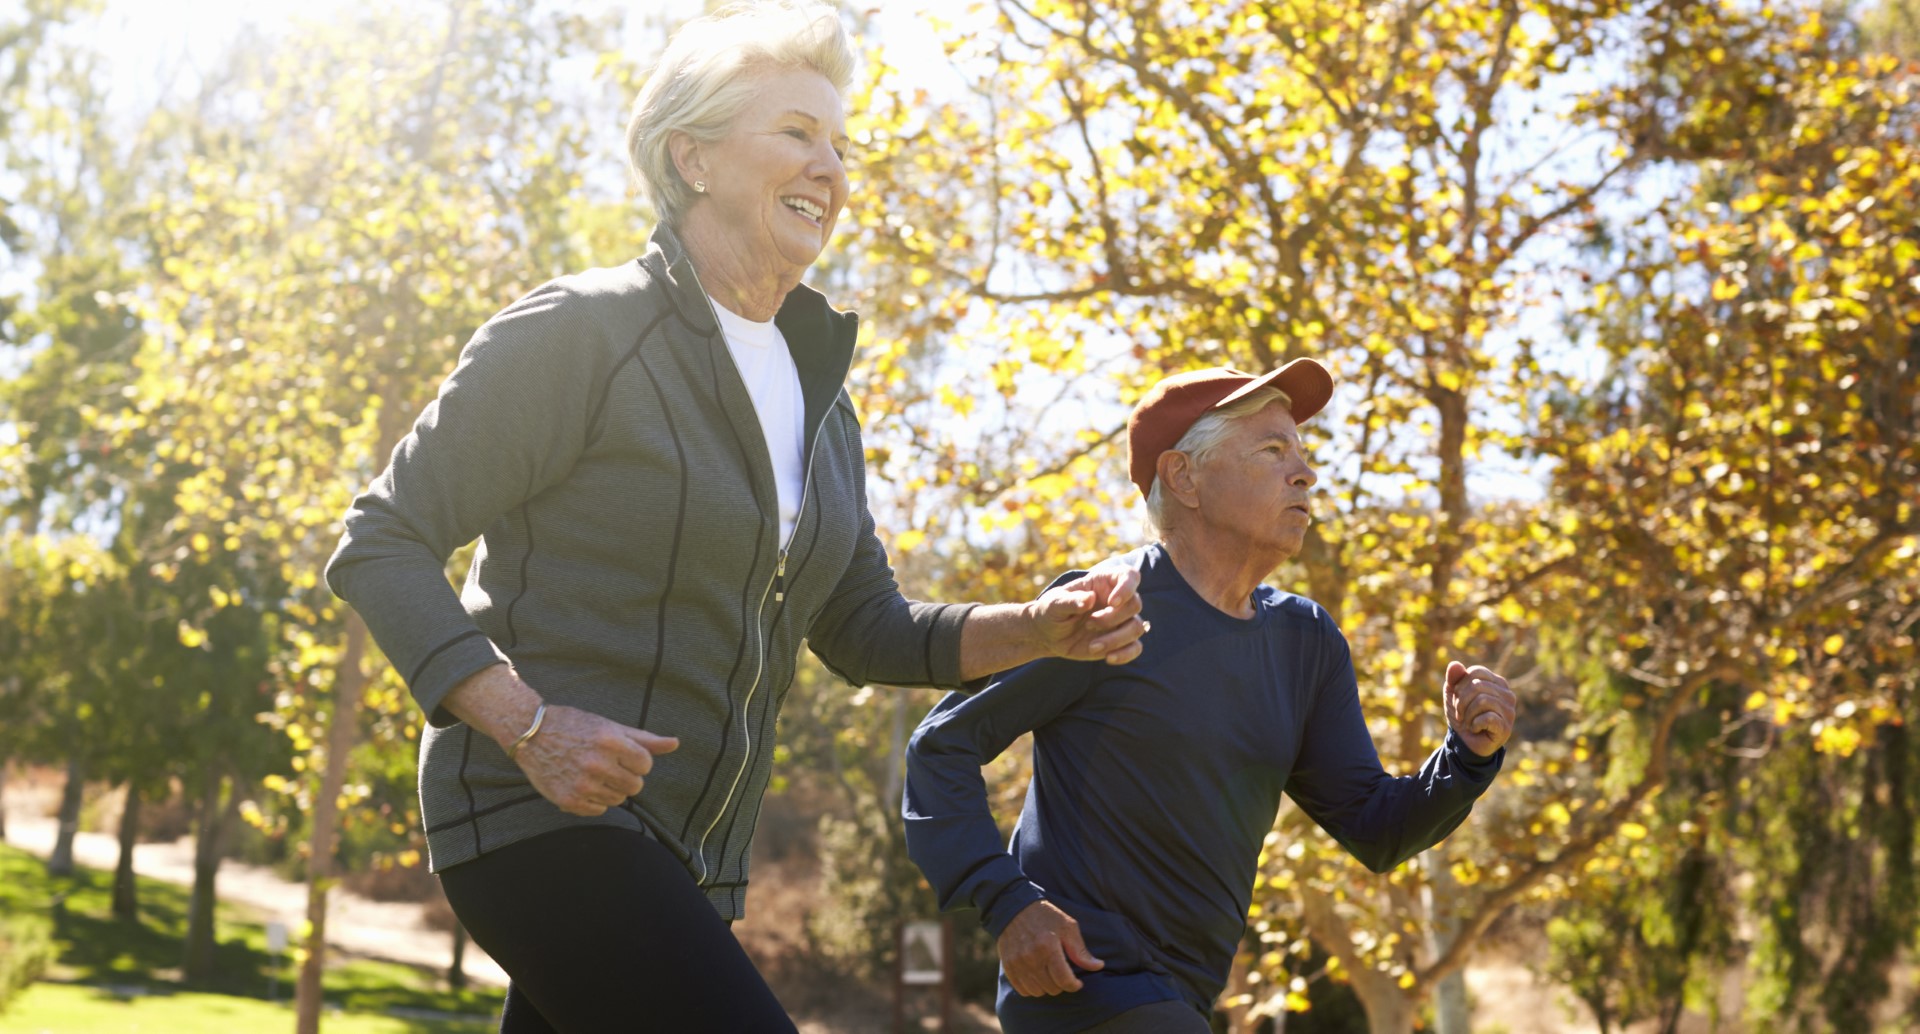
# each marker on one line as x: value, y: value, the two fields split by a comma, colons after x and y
x: 1741, y: 464
x: 409, y: 173
x: 73, y: 339
x: 133, y: 688
x: 1139, y: 188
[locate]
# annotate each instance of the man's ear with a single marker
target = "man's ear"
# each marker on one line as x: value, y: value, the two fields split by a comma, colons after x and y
x: 1176, y: 473
x: 689, y: 158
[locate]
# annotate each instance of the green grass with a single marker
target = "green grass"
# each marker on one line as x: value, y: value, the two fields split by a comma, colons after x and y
x: 77, y: 1009
x: 96, y: 949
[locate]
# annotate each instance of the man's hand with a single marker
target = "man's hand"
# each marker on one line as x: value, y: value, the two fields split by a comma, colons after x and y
x: 586, y: 764
x: 1094, y: 617
x: 1480, y: 707
x: 1037, y: 946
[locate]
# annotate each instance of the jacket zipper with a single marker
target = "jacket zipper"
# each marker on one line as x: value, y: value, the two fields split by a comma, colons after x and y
x: 760, y: 660
x: 777, y: 585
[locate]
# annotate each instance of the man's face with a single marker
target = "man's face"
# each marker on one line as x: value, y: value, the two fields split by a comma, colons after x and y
x: 1254, y: 487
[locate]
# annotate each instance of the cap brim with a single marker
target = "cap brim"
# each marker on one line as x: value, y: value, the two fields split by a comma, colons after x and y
x: 1306, y: 382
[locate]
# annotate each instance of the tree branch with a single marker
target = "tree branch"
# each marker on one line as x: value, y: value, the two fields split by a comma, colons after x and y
x: 1519, y: 582
x: 1594, y: 835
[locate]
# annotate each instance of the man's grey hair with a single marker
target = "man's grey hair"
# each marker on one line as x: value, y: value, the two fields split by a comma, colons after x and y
x: 1203, y: 437
x: 709, y: 73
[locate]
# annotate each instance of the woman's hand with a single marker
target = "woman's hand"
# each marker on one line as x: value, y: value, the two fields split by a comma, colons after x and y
x: 1095, y: 617
x: 586, y: 764
x: 580, y: 761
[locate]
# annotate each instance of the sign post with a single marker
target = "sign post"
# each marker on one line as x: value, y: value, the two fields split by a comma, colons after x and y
x: 924, y: 953
x: 276, y: 946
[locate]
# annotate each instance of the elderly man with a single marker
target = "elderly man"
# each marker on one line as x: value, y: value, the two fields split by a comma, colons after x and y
x: 1125, y: 892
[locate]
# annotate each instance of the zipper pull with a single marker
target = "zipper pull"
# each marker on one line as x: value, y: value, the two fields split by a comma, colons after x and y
x: 780, y: 579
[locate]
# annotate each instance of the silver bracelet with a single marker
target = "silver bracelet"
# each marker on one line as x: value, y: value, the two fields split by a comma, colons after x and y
x: 539, y: 715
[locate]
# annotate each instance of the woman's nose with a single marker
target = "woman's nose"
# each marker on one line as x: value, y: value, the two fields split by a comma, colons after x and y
x: 828, y: 167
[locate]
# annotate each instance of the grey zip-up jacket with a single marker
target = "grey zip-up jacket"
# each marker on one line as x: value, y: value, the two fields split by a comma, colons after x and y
x: 597, y: 438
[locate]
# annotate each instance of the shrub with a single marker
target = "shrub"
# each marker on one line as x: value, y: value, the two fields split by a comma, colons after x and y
x: 26, y: 949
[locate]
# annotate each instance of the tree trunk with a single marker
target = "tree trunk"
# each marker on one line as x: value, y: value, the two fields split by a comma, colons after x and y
x: 457, y: 973
x: 1602, y: 1019
x: 126, y: 897
x: 212, y: 821
x: 347, y: 683
x: 1389, y: 1009
x: 3, y: 802
x: 1232, y: 1005
x: 896, y: 753
x: 60, y: 862
x: 1451, y: 1012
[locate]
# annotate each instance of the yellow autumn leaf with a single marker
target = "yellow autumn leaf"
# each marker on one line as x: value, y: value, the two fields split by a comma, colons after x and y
x: 1840, y: 740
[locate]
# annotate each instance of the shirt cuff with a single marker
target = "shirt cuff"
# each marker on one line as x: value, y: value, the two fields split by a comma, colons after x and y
x: 1477, y: 768
x: 446, y: 668
x: 999, y: 913
x: 943, y: 645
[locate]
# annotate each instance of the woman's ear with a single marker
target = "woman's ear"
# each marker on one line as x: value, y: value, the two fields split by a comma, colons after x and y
x: 689, y: 158
x: 1176, y: 473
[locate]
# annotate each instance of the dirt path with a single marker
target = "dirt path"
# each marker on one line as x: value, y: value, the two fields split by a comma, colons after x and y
x: 394, y: 931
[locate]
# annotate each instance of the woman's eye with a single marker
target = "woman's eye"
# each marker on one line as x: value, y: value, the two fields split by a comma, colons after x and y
x: 797, y: 134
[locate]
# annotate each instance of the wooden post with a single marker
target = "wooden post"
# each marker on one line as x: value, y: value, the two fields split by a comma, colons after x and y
x: 946, y: 975
x: 899, y: 977
x: 457, y: 973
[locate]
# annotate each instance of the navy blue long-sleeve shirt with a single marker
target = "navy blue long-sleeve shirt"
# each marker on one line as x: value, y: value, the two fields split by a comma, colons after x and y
x: 1155, y: 784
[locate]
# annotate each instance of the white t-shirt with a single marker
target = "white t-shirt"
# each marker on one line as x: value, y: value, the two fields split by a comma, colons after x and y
x: 760, y: 353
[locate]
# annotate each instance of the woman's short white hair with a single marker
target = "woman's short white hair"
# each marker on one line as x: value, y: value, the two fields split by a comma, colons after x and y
x: 707, y: 76
x: 1204, y: 436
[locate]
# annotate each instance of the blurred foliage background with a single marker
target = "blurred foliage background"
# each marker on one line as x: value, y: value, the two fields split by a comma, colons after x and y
x: 1623, y: 299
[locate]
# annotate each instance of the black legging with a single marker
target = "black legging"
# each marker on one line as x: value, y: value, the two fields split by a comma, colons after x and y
x: 602, y: 930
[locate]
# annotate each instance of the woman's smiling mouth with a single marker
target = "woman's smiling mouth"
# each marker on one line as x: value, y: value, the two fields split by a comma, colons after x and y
x: 806, y: 208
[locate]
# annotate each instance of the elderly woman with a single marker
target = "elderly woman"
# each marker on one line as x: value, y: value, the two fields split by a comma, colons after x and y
x: 667, y: 480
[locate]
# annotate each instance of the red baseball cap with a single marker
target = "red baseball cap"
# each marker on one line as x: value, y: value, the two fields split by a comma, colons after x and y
x: 1171, y: 406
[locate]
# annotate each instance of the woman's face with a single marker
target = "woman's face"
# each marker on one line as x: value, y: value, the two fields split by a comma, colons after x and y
x: 776, y: 182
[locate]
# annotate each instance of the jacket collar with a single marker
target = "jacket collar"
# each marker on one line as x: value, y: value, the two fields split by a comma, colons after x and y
x: 820, y: 337
x: 805, y: 310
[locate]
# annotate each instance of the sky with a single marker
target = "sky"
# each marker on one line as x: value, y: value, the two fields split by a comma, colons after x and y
x: 150, y: 43
x: 144, y: 36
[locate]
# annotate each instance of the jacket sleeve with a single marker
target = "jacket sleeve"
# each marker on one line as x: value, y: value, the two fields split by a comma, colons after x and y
x: 869, y: 633
x: 1338, y: 781
x: 951, y: 834
x: 509, y: 422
